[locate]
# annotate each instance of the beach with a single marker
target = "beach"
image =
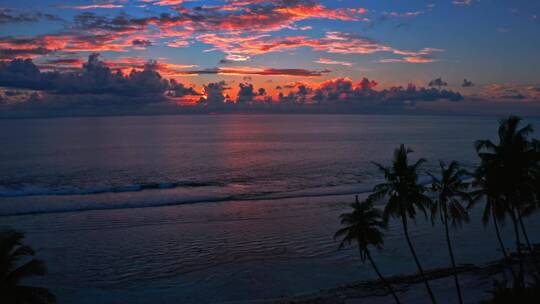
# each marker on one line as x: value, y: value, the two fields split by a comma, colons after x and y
x: 227, y: 252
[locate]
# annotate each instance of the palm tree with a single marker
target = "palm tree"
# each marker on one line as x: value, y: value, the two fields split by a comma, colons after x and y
x: 451, y: 190
x: 495, y: 208
x: 536, y: 174
x: 12, y: 251
x: 404, y: 196
x: 509, y: 168
x: 364, y: 225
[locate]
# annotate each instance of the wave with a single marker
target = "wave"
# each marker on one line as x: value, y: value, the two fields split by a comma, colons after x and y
x: 32, y: 190
x: 163, y: 194
x: 168, y: 197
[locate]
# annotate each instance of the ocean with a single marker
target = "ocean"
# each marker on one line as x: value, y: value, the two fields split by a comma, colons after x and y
x: 218, y: 208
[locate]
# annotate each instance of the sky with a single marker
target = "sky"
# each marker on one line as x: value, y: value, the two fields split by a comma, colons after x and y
x: 409, y: 52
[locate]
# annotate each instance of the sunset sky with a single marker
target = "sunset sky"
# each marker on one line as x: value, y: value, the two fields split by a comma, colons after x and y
x: 276, y: 45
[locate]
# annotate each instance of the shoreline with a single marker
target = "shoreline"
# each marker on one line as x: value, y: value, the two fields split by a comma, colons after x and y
x: 259, y: 241
x: 410, y: 287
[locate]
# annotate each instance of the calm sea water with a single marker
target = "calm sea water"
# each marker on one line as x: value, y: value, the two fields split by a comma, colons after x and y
x: 204, y: 209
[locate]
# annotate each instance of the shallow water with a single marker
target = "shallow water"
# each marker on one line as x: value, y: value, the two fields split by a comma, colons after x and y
x: 235, y: 207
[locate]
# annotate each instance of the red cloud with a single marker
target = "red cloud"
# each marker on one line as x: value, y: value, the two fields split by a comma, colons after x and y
x: 334, y: 42
x: 239, y: 28
x: 165, y: 2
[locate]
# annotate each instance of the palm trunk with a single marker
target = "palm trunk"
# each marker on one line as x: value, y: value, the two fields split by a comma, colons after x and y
x: 501, y: 244
x: 518, y: 247
x: 458, y: 289
x: 406, y: 231
x: 529, y: 246
x: 385, y: 282
x: 525, y: 235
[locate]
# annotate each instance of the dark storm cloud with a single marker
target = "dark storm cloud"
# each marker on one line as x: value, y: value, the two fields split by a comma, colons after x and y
x: 215, y: 93
x: 300, y: 95
x: 247, y: 93
x: 95, y: 77
x: 24, y: 74
x: 343, y: 90
x: 177, y: 89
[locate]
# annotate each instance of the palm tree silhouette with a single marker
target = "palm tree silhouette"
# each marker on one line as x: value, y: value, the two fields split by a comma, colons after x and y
x: 451, y: 190
x: 363, y: 225
x: 12, y: 251
x: 494, y: 209
x: 510, y: 166
x: 536, y: 174
x: 404, y: 196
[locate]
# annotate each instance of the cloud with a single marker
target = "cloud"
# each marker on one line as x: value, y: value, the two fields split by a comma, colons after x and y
x: 10, y: 97
x: 345, y: 91
x: 251, y: 16
x: 248, y: 95
x: 257, y: 71
x: 240, y: 29
x: 412, y: 94
x: 467, y: 83
x: 438, y: 82
x: 93, y: 6
x: 333, y: 62
x: 95, y: 77
x: 424, y: 55
x: 23, y: 53
x: 404, y: 14
x: 463, y: 2
x: 141, y: 43
x: 10, y: 16
x: 229, y: 24
x: 535, y: 89
x: 245, y: 46
x: 32, y: 47
x: 214, y: 93
x: 511, y: 92
x: 24, y: 74
x: 409, y: 59
x: 165, y: 2
x: 102, y: 92
x: 121, y: 23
